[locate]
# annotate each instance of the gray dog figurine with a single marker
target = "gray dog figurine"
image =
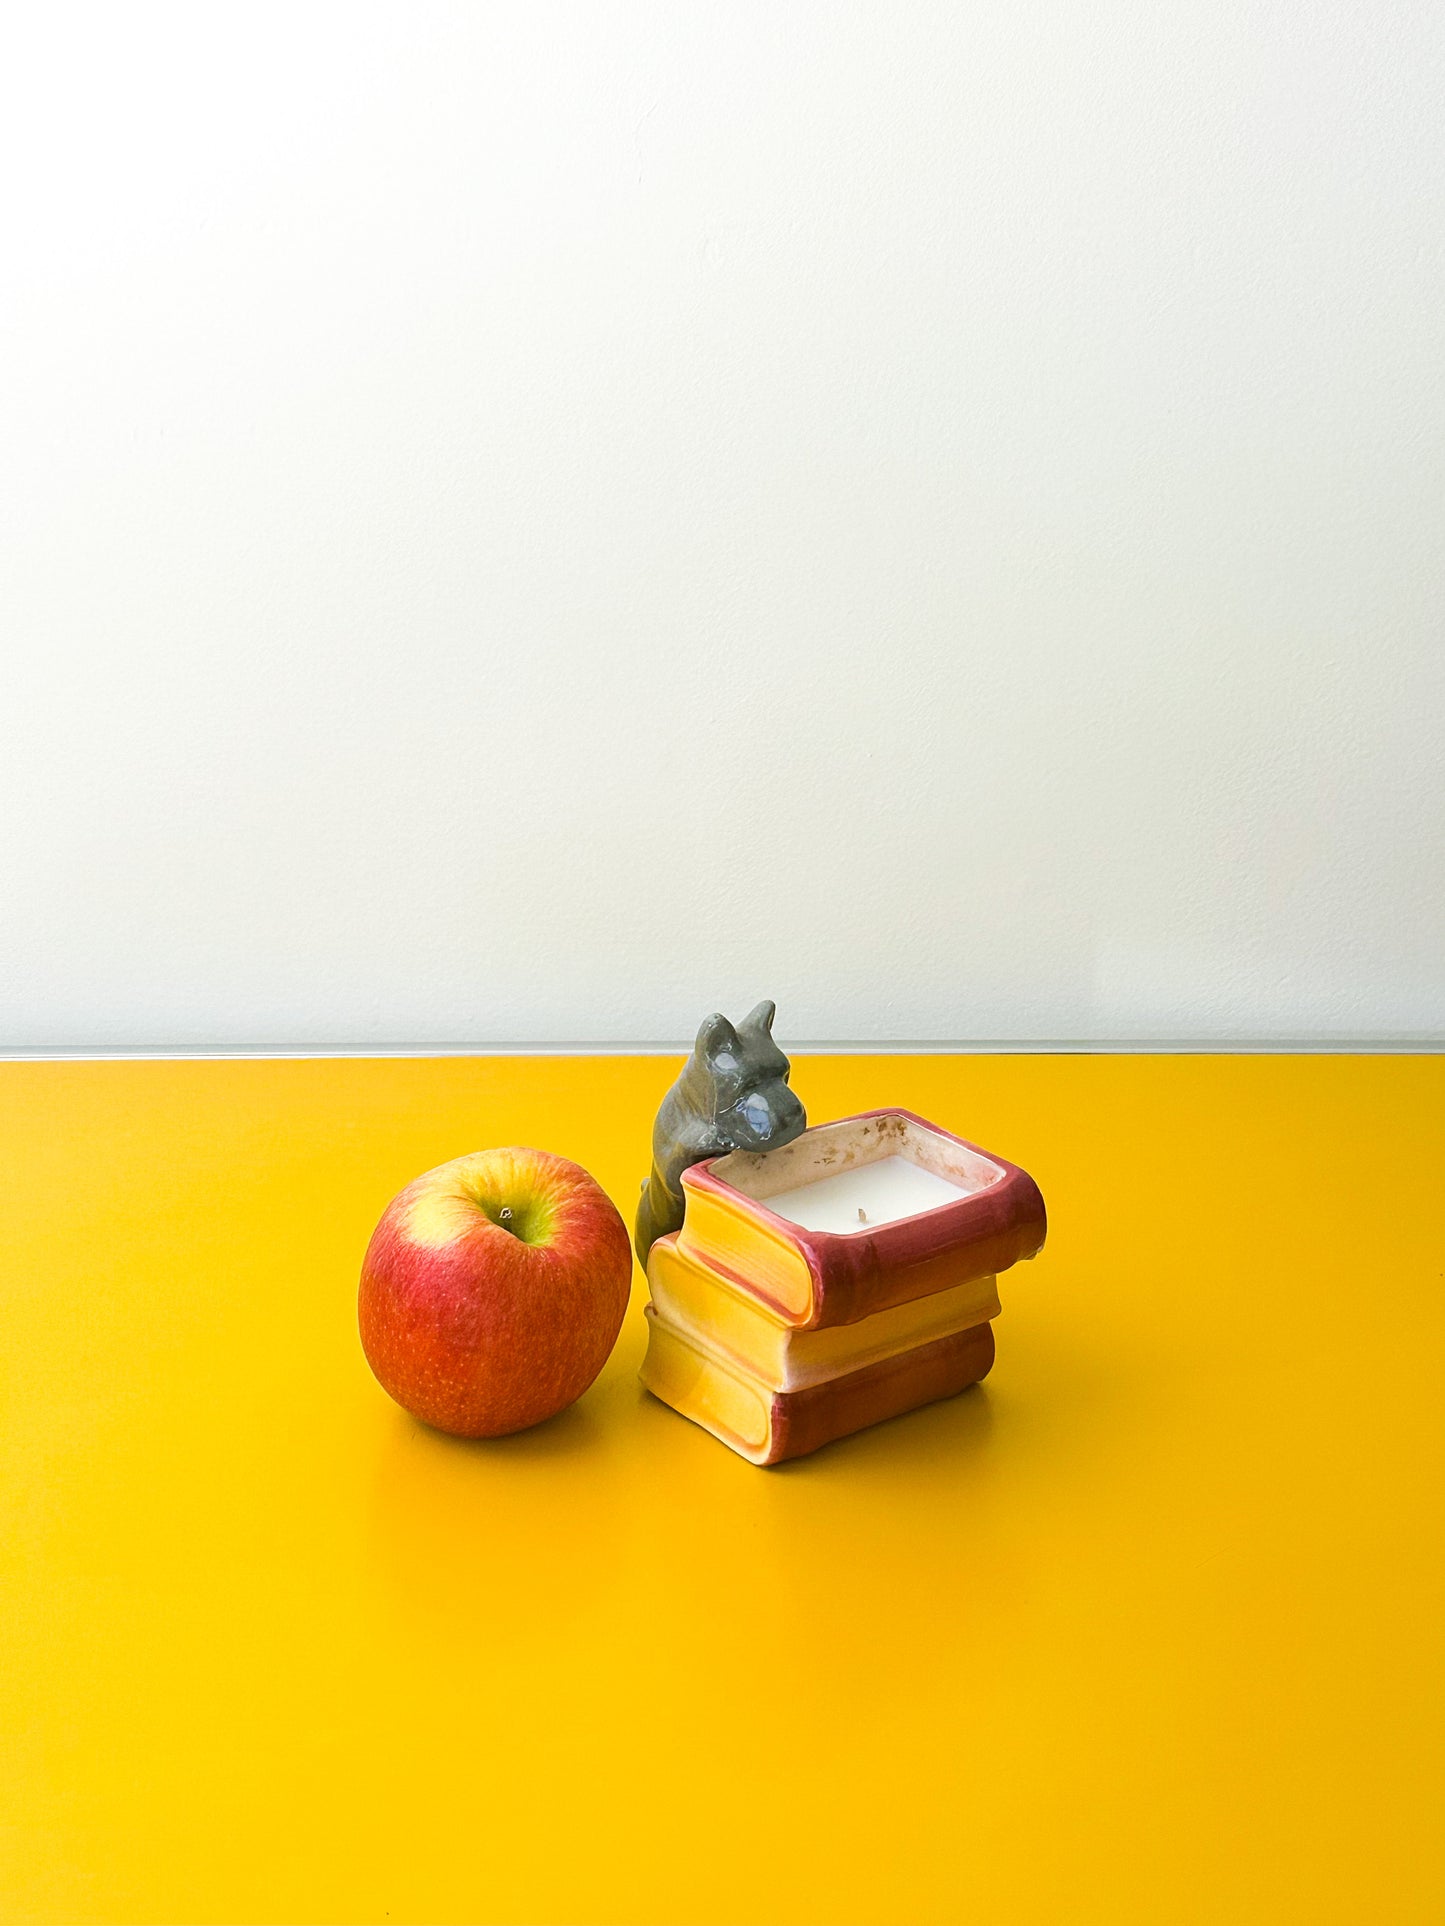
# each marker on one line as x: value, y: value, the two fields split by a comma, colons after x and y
x: 732, y: 1095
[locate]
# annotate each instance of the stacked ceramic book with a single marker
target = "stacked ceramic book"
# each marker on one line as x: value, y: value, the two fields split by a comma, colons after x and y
x: 847, y: 1277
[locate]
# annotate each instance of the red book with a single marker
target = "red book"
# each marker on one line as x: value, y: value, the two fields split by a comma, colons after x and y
x: 978, y: 1215
x: 766, y: 1425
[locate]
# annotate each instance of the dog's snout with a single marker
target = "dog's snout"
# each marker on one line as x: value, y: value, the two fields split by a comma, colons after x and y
x: 772, y: 1116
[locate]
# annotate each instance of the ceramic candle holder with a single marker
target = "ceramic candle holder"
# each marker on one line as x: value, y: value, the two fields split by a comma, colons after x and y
x: 846, y: 1276
x: 978, y: 1215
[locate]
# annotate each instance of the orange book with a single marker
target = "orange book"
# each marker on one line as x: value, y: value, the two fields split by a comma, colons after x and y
x: 765, y: 1425
x: 699, y: 1302
x: 980, y: 1215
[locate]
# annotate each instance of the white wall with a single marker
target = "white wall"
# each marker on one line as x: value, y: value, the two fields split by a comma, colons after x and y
x: 531, y: 521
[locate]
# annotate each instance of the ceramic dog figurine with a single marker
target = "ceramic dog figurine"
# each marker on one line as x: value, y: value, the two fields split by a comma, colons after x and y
x: 732, y: 1095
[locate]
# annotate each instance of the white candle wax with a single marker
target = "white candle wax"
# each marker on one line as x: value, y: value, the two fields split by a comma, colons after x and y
x: 883, y: 1192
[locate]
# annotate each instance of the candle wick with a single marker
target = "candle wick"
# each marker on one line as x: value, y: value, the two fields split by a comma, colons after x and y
x: 862, y: 1215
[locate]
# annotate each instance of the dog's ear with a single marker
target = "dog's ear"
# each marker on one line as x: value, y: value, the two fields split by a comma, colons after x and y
x: 761, y: 1018
x: 716, y: 1038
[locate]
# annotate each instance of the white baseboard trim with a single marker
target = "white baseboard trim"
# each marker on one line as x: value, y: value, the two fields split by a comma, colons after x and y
x: 853, y: 1047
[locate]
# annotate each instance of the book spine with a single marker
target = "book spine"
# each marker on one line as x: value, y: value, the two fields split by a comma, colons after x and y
x: 719, y: 1235
x: 852, y: 1281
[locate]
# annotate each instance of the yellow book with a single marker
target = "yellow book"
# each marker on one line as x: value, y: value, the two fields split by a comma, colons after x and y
x: 697, y: 1300
x: 765, y: 1426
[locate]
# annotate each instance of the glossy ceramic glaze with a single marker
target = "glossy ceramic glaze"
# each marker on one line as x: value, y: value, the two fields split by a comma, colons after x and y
x: 732, y: 1095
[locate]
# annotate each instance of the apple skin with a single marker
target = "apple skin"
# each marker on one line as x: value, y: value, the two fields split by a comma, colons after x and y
x: 481, y: 1329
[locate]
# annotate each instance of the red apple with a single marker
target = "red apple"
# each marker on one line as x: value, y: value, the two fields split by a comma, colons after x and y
x: 493, y: 1290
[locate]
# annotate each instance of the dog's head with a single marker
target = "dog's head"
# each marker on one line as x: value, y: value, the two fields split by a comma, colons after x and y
x: 747, y: 1073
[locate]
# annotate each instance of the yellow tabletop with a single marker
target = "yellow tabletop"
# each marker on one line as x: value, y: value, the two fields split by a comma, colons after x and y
x: 1147, y: 1628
